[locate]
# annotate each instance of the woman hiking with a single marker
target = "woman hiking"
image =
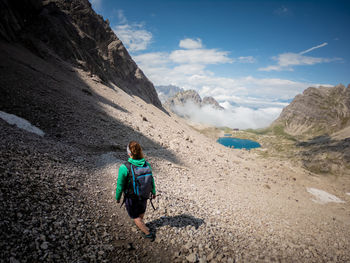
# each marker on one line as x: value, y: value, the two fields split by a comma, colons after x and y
x: 135, y: 180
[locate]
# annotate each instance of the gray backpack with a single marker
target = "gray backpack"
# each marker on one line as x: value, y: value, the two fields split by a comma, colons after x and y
x: 140, y: 181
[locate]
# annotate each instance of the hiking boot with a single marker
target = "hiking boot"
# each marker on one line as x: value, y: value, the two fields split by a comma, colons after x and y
x: 151, y: 237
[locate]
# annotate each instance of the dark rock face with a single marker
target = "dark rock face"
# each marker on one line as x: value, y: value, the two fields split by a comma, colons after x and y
x: 73, y: 32
x: 317, y: 111
x: 326, y: 155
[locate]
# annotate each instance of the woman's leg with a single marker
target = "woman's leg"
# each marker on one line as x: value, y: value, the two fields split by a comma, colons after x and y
x: 140, y: 224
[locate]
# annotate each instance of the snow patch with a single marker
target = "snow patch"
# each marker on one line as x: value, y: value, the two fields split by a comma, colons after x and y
x: 323, y: 197
x: 348, y: 193
x: 20, y: 123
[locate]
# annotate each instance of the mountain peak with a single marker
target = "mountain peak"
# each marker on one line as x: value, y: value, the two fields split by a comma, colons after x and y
x: 191, y: 96
x: 317, y: 111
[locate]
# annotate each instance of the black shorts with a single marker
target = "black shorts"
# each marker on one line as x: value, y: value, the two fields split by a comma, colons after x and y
x: 135, y: 207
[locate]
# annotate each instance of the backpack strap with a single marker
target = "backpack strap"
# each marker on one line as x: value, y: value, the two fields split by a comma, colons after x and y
x: 128, y: 166
x: 150, y: 200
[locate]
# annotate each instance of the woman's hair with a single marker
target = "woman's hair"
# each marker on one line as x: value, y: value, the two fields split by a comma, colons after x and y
x: 136, y: 150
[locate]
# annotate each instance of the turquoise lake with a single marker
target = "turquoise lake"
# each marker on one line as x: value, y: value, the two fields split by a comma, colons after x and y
x: 238, y: 143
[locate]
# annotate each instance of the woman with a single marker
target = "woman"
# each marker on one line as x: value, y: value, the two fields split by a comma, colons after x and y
x: 135, y: 205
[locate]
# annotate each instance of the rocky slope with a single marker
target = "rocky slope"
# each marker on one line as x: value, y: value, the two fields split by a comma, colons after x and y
x: 73, y: 32
x: 214, y: 204
x: 317, y: 111
x: 320, y: 120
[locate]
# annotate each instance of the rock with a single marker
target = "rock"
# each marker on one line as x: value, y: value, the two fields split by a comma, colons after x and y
x: 192, y: 257
x: 13, y: 260
x: 211, y: 255
x: 188, y: 246
x: 219, y: 257
x: 130, y: 246
x: 44, y: 245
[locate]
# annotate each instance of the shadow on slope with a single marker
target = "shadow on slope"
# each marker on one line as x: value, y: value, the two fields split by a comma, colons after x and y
x: 323, y: 154
x: 47, y: 187
x: 50, y: 205
x: 51, y: 95
x: 178, y: 221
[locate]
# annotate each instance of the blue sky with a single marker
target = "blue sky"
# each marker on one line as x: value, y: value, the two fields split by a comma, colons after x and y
x: 253, y: 54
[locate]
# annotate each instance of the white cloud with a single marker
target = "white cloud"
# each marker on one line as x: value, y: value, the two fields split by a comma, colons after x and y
x: 189, y: 69
x: 313, y: 48
x: 161, y: 70
x: 121, y: 17
x: 286, y: 61
x: 234, y: 117
x: 190, y: 43
x: 253, y: 102
x: 198, y: 56
x: 248, y: 59
x: 283, y: 11
x: 292, y: 59
x: 250, y: 102
x: 152, y: 59
x: 274, y: 68
x: 134, y: 36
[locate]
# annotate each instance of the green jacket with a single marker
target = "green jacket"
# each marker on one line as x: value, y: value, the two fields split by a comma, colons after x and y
x: 122, y: 177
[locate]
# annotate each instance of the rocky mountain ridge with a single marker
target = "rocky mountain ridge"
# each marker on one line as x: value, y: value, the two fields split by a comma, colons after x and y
x: 72, y: 31
x: 317, y: 111
x: 319, y: 121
